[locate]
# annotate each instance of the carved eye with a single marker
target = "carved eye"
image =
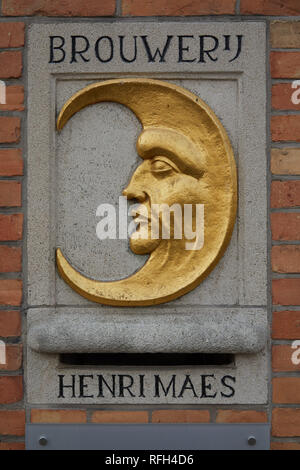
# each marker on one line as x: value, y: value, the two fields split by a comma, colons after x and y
x: 162, y: 166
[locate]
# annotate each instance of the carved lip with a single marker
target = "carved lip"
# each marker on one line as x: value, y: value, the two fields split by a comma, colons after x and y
x: 141, y: 216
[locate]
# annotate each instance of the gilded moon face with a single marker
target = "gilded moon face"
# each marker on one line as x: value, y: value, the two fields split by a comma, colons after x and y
x: 186, y: 160
x: 162, y: 179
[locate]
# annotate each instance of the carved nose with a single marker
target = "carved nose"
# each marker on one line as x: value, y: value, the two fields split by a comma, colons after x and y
x: 134, y: 193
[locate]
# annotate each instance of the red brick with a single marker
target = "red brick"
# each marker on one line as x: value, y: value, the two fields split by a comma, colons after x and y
x: 286, y: 325
x: 13, y: 357
x: 58, y: 7
x: 286, y: 291
x: 10, y: 323
x: 270, y: 7
x: 58, y: 416
x: 285, y: 226
x: 10, y: 259
x: 14, y: 98
x: 286, y: 390
x: 282, y: 97
x: 285, y: 34
x: 282, y: 358
x: 12, y: 422
x: 10, y: 64
x: 9, y: 129
x: 285, y: 64
x: 11, y: 227
x: 286, y: 422
x: 286, y: 259
x: 120, y: 417
x: 11, y: 162
x: 285, y: 161
x: 12, y: 445
x: 285, y: 445
x: 177, y: 7
x: 10, y: 193
x: 12, y: 34
x: 11, y: 389
x: 285, y: 194
x: 181, y: 416
x: 241, y: 416
x: 10, y: 292
x: 285, y: 128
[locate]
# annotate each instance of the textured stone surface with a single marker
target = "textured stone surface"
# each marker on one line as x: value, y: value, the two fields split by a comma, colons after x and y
x: 84, y: 186
x: 247, y: 374
x: 211, y: 331
x: 71, y: 176
x: 240, y: 277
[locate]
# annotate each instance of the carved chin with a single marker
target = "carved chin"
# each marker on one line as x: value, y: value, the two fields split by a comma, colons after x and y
x: 141, y: 246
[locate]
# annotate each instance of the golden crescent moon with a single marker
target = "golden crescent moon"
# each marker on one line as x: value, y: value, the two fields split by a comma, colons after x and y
x: 186, y: 126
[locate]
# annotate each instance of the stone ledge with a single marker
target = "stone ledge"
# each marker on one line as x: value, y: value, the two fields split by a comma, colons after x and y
x: 219, y: 330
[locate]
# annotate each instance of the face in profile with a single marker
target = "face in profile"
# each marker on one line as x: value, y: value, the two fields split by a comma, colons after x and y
x: 186, y: 160
x: 162, y: 179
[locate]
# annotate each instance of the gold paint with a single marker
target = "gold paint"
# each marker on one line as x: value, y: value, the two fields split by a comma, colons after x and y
x: 187, y: 159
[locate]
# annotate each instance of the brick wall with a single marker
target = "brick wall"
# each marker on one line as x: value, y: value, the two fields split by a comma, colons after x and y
x: 285, y: 216
x: 284, y: 41
x: 12, y: 413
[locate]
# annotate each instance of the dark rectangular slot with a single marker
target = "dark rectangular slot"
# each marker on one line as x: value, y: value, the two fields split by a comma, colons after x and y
x: 147, y: 359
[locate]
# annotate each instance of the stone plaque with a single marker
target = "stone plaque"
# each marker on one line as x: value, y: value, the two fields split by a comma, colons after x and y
x: 82, y: 154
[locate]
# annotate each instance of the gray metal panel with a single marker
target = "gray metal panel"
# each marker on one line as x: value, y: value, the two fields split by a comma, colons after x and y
x: 148, y: 436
